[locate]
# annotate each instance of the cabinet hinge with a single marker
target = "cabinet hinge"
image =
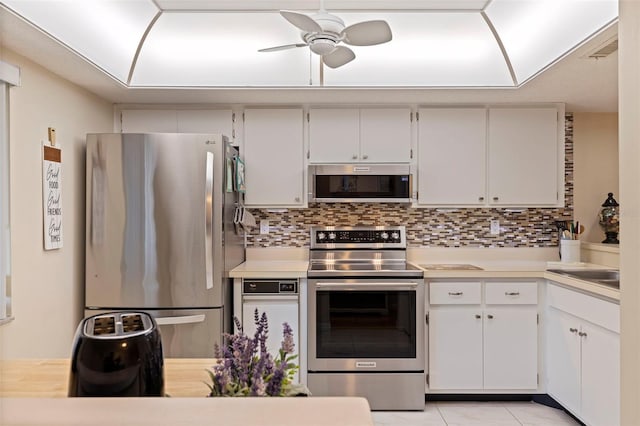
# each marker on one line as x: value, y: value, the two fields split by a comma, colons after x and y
x: 233, y: 117
x: 243, y: 116
x: 426, y: 318
x: 417, y: 116
x: 307, y: 117
x: 411, y: 153
x: 308, y: 154
x: 411, y: 117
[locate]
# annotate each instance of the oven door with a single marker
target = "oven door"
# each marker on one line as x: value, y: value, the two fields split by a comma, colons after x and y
x: 366, y: 325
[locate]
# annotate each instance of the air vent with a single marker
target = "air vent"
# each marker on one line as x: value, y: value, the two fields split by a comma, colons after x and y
x: 603, y: 50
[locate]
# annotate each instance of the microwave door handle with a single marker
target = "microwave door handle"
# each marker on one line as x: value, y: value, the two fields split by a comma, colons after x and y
x: 208, y: 212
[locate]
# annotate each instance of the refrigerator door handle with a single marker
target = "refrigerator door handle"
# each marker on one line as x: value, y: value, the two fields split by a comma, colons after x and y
x: 186, y: 319
x: 208, y: 239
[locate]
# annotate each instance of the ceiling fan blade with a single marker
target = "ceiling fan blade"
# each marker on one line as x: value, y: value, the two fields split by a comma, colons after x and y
x: 342, y: 55
x: 302, y: 21
x: 283, y: 47
x: 367, y: 33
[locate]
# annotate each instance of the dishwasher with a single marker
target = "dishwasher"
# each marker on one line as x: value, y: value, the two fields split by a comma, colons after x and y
x: 279, y: 299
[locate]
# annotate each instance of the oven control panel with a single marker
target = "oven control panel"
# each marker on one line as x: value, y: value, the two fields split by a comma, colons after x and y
x: 358, y: 236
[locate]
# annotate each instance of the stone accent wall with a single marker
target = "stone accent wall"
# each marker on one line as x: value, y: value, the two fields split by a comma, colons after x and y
x: 428, y: 227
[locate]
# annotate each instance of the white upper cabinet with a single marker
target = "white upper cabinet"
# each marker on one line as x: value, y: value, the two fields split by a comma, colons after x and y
x: 274, y: 157
x: 524, y: 156
x: 370, y: 135
x: 452, y: 156
x: 334, y: 135
x: 491, y: 157
x: 385, y: 135
x: 178, y: 121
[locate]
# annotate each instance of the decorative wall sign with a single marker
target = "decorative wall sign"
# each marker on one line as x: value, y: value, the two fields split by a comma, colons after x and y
x: 52, y: 195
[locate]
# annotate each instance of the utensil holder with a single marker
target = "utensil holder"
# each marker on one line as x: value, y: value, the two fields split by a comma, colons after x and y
x: 570, y: 251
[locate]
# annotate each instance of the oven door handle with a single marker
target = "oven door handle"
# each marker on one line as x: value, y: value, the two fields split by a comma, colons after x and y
x: 367, y: 286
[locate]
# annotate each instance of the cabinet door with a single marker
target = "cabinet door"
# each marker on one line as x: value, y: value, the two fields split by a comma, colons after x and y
x: 563, y: 358
x: 510, y: 348
x: 523, y: 156
x: 600, y: 376
x: 273, y: 154
x: 334, y: 135
x: 149, y: 120
x: 385, y: 135
x: 455, y: 348
x: 205, y: 121
x: 452, y: 156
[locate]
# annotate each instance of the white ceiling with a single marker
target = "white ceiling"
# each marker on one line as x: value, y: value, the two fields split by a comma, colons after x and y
x: 424, y: 54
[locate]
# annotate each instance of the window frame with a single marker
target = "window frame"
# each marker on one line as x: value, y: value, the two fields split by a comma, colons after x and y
x: 9, y: 76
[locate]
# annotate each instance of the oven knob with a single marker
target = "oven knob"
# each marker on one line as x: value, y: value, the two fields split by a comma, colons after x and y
x: 321, y: 236
x: 332, y: 236
x: 384, y: 235
x: 395, y: 236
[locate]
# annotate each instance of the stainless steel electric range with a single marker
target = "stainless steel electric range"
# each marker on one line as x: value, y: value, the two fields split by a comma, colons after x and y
x: 366, y: 317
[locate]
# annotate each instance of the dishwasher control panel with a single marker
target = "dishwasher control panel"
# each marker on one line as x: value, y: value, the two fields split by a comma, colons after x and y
x: 270, y: 287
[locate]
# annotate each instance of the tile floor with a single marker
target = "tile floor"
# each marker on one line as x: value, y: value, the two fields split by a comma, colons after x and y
x: 476, y: 413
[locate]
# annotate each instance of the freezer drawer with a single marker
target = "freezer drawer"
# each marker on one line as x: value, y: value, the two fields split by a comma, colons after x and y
x: 185, y: 333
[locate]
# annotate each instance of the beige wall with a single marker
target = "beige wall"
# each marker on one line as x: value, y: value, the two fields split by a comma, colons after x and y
x: 47, y: 285
x: 595, y: 156
x: 629, y: 110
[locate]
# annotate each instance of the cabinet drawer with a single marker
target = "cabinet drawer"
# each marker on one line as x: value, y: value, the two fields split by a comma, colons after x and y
x: 455, y: 293
x: 600, y: 312
x: 511, y: 293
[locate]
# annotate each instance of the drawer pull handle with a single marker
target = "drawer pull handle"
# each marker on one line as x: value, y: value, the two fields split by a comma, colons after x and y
x: 573, y: 330
x: 478, y: 316
x: 512, y: 293
x: 582, y: 334
x: 457, y: 293
x: 490, y: 316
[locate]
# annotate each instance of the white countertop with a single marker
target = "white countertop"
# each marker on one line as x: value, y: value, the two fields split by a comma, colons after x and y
x: 293, y: 411
x: 271, y: 269
x: 509, y: 268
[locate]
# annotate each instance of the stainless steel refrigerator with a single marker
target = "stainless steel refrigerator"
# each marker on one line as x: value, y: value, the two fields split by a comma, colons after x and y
x: 160, y: 236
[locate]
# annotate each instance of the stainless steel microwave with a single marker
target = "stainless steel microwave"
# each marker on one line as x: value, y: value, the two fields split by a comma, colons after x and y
x: 335, y: 183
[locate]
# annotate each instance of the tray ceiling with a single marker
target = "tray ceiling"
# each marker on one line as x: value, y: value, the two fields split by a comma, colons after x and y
x: 200, y: 43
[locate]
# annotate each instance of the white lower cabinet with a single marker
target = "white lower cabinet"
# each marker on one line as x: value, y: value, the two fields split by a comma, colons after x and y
x: 455, y: 348
x: 583, y: 355
x: 483, y: 345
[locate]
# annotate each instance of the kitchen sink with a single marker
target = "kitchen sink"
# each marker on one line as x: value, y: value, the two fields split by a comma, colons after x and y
x: 608, y: 277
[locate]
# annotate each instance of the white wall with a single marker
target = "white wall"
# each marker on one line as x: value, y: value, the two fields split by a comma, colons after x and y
x: 595, y: 156
x: 47, y: 286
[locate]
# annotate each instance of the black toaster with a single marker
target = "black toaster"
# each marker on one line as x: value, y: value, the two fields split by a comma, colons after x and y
x: 117, y: 354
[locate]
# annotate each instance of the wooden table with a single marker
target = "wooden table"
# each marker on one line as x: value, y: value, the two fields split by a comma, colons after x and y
x: 49, y: 378
x: 33, y: 393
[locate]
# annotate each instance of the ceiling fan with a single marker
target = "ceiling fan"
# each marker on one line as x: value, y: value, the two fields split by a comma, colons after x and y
x: 323, y: 32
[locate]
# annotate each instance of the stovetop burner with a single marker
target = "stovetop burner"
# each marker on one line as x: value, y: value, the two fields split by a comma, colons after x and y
x: 360, y: 252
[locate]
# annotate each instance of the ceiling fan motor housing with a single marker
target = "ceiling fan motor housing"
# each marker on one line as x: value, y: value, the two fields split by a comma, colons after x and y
x: 321, y: 44
x: 325, y: 42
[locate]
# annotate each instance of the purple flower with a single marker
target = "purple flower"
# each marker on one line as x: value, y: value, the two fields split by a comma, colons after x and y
x: 245, y: 367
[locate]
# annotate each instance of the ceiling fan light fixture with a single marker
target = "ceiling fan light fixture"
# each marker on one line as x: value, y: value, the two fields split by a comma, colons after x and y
x: 322, y: 46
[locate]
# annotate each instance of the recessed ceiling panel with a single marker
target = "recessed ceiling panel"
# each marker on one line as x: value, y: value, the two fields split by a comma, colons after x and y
x: 105, y: 32
x: 535, y: 33
x: 427, y: 49
x: 330, y: 5
x: 221, y: 49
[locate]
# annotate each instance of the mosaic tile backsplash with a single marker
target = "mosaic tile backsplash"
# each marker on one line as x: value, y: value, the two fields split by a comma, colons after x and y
x: 428, y: 227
